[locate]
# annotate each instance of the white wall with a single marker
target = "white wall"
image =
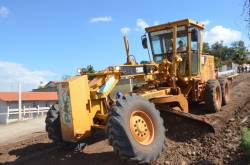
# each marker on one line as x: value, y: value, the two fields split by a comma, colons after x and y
x: 26, y: 104
x: 3, y: 111
x: 31, y: 104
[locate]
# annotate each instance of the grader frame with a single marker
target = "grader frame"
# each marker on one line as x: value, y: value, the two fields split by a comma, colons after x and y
x: 92, y: 111
x: 170, y: 79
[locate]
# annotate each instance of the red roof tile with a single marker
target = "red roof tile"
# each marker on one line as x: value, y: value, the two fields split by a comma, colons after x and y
x: 28, y: 96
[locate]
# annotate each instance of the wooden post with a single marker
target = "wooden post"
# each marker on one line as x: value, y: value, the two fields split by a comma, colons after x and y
x: 24, y: 112
x: 19, y: 101
x: 8, y: 114
x: 38, y: 110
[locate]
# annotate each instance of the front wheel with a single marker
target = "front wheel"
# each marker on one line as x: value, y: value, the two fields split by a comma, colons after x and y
x: 213, y: 96
x: 135, y: 130
x: 53, y: 126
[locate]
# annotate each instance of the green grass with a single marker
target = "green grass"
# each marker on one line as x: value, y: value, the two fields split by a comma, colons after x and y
x: 246, y: 139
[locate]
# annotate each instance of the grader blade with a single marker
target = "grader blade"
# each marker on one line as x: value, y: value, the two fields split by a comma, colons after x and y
x: 212, y: 121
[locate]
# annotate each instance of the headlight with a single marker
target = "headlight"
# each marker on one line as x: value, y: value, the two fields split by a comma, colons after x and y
x: 117, y: 68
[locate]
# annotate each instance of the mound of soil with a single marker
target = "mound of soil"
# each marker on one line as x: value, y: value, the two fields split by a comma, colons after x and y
x: 189, y: 142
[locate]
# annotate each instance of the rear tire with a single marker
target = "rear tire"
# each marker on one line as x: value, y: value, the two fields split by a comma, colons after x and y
x: 213, y: 95
x: 135, y: 130
x: 53, y: 125
x: 225, y: 90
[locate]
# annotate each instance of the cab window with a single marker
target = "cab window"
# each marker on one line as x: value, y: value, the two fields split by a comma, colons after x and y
x: 181, y: 45
x: 162, y: 44
x: 156, y: 42
x: 195, y: 47
x: 181, y: 40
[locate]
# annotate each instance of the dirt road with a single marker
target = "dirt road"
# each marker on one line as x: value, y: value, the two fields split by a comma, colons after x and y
x: 19, y: 131
x: 186, y: 142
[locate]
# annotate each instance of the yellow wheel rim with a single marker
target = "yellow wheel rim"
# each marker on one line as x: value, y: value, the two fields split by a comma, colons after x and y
x: 141, y: 127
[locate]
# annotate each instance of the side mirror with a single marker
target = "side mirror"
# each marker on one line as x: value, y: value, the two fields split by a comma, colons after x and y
x: 194, y: 35
x: 144, y: 41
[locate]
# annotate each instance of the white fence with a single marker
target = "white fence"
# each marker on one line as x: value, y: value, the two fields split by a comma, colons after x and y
x: 13, y: 115
x: 227, y: 73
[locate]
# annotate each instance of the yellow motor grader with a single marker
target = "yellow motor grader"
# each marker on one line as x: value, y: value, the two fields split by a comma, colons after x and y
x: 177, y: 74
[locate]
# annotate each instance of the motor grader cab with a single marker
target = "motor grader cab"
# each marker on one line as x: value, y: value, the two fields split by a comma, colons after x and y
x: 177, y: 74
x: 182, y: 40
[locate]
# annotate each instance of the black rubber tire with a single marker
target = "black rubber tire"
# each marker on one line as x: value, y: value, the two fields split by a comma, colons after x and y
x: 210, y: 96
x: 225, y: 90
x: 120, y: 136
x: 53, y: 126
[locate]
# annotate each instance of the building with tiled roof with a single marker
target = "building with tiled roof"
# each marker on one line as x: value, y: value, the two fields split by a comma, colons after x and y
x: 33, y: 104
x: 49, y: 87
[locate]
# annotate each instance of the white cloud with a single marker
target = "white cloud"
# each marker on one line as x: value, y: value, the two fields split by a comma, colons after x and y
x: 11, y: 73
x: 156, y: 23
x: 101, y: 19
x: 4, y: 11
x: 205, y: 22
x: 141, y: 24
x: 220, y: 33
x: 125, y: 30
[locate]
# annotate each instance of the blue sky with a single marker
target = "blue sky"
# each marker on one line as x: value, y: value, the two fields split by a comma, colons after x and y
x: 44, y: 40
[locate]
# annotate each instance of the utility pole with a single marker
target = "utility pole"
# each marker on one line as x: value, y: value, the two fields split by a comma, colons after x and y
x: 246, y: 10
x: 19, y: 101
x: 249, y: 19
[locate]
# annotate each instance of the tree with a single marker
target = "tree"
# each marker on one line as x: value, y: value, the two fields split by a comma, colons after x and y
x: 224, y: 54
x: 240, y: 52
x: 89, y: 69
x: 229, y: 54
x: 206, y: 48
x: 219, y: 52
